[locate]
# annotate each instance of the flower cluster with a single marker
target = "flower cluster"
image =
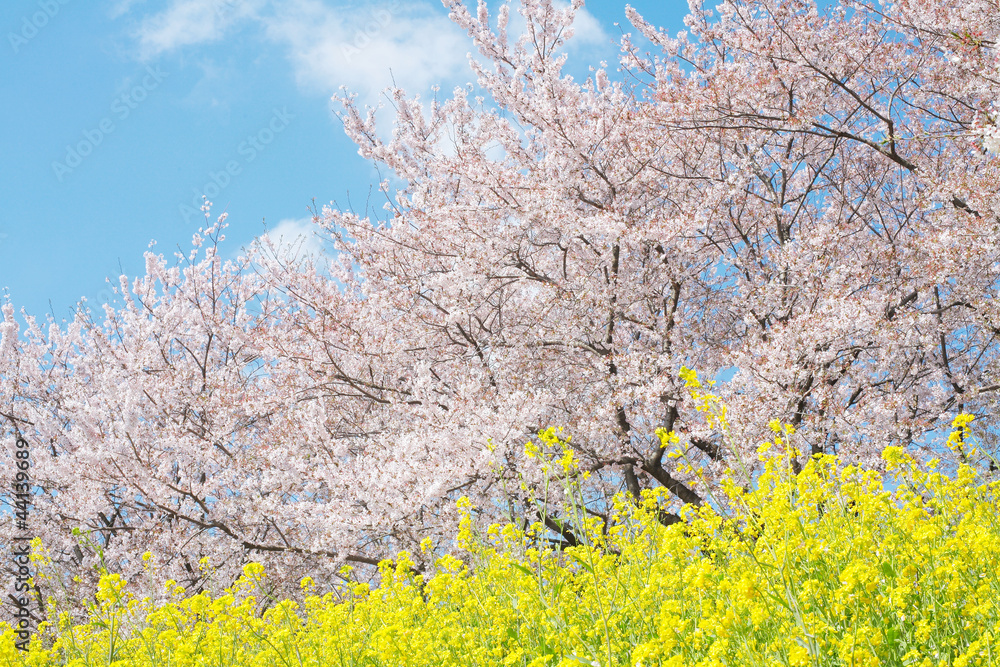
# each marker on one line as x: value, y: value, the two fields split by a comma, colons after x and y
x: 820, y: 567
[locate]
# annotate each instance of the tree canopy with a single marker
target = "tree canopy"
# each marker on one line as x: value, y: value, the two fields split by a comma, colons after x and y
x: 803, y: 197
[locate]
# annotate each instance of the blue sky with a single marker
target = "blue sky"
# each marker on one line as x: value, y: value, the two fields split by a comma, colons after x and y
x: 117, y: 115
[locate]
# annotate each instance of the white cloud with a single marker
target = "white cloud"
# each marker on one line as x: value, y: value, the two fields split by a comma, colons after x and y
x: 120, y: 7
x: 297, y: 238
x: 587, y: 29
x: 189, y: 22
x: 368, y: 49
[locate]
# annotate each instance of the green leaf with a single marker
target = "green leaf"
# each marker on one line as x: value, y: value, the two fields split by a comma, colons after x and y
x: 579, y: 560
x: 522, y: 568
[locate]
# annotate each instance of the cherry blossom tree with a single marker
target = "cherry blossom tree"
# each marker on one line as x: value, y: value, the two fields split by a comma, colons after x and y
x: 800, y: 196
x: 805, y: 199
x: 152, y: 428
